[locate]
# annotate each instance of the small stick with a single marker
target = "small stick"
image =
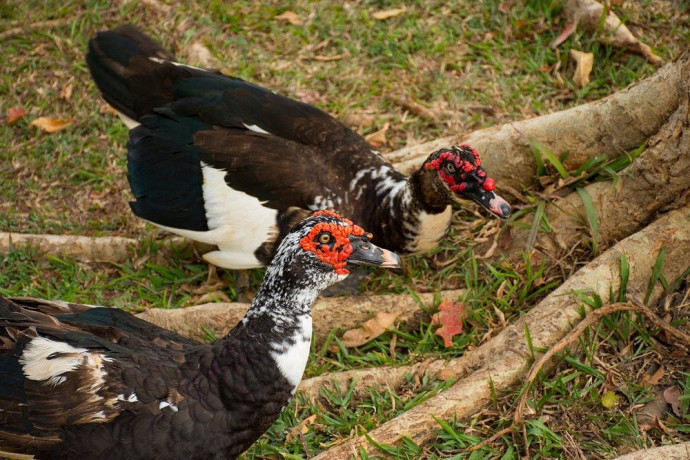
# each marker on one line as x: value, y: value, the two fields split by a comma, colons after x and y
x: 498, y: 434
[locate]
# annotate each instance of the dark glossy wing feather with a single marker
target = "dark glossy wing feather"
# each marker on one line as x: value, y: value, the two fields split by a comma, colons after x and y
x: 164, y: 172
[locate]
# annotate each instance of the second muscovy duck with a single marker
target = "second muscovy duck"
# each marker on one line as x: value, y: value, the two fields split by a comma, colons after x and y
x: 226, y: 162
x: 79, y: 382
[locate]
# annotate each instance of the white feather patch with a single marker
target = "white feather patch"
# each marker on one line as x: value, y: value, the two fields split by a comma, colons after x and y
x: 238, y: 223
x: 45, y: 359
x: 432, y: 227
x: 292, y: 360
x: 168, y: 404
x: 129, y: 122
x: 255, y: 128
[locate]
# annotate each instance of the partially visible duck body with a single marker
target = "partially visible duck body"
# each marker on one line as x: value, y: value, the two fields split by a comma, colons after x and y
x: 226, y: 162
x: 92, y: 382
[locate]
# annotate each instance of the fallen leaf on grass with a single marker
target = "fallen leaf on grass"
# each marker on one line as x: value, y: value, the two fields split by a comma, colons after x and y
x: 589, y: 14
x: 14, y: 114
x: 309, y: 96
x: 387, y: 14
x: 52, y: 125
x: 107, y: 108
x: 449, y: 317
x: 654, y: 378
x: 370, y: 329
x: 301, y: 428
x: 672, y: 396
x: 66, y: 92
x: 378, y: 138
x: 649, y: 414
x: 584, y: 62
x: 291, y: 17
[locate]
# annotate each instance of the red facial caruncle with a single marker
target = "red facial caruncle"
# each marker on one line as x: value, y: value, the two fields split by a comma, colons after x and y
x: 465, y: 170
x: 329, y: 241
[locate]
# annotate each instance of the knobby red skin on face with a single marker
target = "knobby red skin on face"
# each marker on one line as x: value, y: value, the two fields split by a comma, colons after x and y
x: 331, y: 254
x: 488, y: 184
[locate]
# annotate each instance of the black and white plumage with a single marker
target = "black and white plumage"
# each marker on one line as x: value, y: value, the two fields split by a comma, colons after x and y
x: 226, y: 162
x: 92, y: 382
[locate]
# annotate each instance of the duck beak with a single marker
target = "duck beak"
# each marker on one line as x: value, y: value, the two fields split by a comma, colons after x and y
x: 491, y: 201
x: 364, y: 252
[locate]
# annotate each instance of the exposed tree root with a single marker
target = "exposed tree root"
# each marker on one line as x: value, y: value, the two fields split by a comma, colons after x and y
x: 505, y: 359
x: 675, y: 452
x: 328, y: 313
x: 656, y: 181
x: 610, y: 126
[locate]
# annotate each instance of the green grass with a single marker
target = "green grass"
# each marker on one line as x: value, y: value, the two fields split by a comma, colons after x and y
x: 446, y: 55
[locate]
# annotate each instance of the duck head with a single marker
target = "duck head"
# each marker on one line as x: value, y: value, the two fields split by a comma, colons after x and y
x: 328, y: 247
x: 459, y: 172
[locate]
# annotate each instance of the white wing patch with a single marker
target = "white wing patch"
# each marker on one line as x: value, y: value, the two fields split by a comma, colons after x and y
x: 168, y: 404
x: 45, y: 359
x: 292, y: 359
x: 255, y: 128
x: 238, y: 223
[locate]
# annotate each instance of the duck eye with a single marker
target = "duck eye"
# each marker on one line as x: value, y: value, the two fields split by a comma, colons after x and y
x: 324, y: 238
x: 450, y: 167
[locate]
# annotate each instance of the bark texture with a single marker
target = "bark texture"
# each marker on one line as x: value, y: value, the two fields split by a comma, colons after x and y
x: 656, y: 181
x: 504, y: 360
x: 611, y: 126
x: 675, y: 452
x: 328, y: 313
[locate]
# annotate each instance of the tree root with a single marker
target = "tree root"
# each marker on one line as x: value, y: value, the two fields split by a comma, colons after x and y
x: 328, y: 313
x: 504, y: 361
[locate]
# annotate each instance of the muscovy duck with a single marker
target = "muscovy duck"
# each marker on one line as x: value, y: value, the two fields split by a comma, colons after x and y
x: 225, y: 162
x: 93, y: 382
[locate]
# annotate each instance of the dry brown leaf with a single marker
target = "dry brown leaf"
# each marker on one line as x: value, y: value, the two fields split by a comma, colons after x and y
x: 378, y: 138
x: 387, y: 14
x: 445, y: 374
x: 588, y: 14
x: 370, y: 329
x: 66, y: 92
x: 107, y: 108
x: 584, y: 62
x: 654, y: 378
x: 671, y: 396
x: 14, y: 114
x: 321, y: 58
x: 359, y: 119
x: 291, y: 17
x: 199, y: 55
x: 309, y: 96
x: 301, y: 428
x: 52, y: 125
x: 652, y: 411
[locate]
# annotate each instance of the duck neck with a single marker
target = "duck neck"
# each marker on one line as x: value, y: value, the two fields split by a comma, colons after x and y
x: 417, y: 219
x: 281, y: 315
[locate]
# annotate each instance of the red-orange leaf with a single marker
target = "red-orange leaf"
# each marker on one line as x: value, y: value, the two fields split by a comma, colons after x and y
x: 449, y: 317
x: 14, y: 114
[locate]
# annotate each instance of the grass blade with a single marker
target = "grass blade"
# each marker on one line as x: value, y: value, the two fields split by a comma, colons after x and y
x: 536, y: 223
x: 625, y: 277
x: 540, y: 150
x: 656, y: 274
x: 591, y: 213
